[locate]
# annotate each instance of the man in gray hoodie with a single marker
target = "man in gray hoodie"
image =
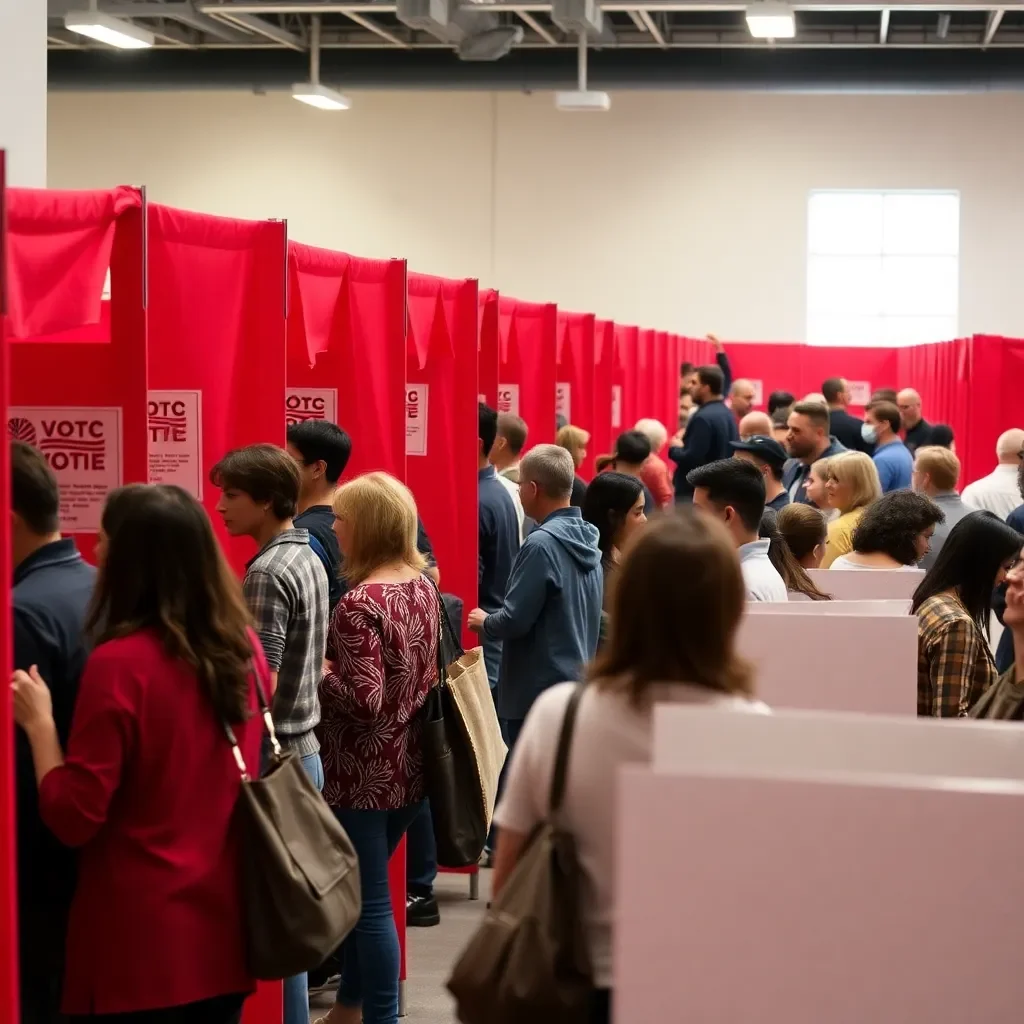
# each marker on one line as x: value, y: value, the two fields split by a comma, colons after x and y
x: 551, y: 616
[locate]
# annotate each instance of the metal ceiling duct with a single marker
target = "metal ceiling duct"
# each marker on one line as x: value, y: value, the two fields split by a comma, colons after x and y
x: 476, y: 34
x: 578, y: 17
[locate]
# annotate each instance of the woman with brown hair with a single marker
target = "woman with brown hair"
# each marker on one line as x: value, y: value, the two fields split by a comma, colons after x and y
x: 681, y: 569
x: 148, y: 784
x: 575, y: 440
x: 803, y: 528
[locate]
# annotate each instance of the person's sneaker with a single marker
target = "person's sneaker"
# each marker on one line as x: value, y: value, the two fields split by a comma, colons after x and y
x: 421, y: 911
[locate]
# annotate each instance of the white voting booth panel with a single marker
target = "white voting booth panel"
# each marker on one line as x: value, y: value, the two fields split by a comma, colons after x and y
x: 794, y: 901
x: 701, y: 741
x: 866, y: 584
x: 807, y: 607
x: 844, y: 662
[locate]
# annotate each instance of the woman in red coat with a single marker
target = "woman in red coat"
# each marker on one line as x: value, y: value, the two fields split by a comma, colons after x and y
x: 148, y: 786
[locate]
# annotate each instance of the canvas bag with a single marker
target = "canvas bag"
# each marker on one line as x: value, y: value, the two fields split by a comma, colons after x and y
x: 300, y: 872
x: 529, y: 962
x: 462, y: 750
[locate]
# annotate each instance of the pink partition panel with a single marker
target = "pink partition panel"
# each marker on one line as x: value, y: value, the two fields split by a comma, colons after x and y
x: 831, y: 671
x: 78, y: 391
x: 216, y: 347
x: 441, y: 415
x: 604, y: 370
x: 866, y: 607
x: 527, y: 387
x: 574, y: 389
x: 799, y: 902
x: 867, y: 585
x: 488, y: 345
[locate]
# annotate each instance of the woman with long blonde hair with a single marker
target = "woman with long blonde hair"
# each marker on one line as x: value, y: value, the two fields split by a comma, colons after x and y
x: 575, y: 440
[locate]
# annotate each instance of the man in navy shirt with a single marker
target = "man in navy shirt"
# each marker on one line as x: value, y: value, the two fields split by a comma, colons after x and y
x: 52, y: 590
x: 708, y: 431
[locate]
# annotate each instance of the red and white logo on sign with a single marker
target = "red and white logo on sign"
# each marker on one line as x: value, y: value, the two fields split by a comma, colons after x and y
x: 303, y: 404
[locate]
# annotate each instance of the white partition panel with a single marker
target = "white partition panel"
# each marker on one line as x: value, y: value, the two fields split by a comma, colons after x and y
x: 866, y: 584
x: 771, y: 901
x: 844, y: 662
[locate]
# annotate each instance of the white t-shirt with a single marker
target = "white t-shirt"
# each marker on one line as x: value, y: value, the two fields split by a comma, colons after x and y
x: 842, y: 562
x: 513, y: 489
x: 998, y: 492
x: 609, y: 733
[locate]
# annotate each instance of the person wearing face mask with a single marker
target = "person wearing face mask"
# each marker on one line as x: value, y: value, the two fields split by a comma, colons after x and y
x: 769, y: 456
x: 893, y: 460
x: 709, y: 430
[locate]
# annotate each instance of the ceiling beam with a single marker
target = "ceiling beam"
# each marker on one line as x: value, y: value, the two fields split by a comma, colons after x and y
x: 883, y: 27
x: 540, y: 6
x: 371, y: 26
x: 994, y: 20
x: 262, y: 27
x: 651, y: 26
x: 537, y: 27
x: 182, y: 11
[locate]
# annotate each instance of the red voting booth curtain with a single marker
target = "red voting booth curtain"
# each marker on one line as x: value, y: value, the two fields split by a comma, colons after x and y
x: 441, y: 425
x: 604, y: 369
x: 624, y: 391
x: 216, y: 347
x: 643, y: 381
x: 346, y: 349
x: 488, y: 346
x: 528, y: 362
x: 77, y: 393
x: 574, y: 387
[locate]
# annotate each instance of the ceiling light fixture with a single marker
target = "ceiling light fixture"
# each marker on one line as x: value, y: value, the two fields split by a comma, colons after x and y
x: 312, y: 93
x: 108, y: 30
x: 767, y: 19
x: 582, y: 99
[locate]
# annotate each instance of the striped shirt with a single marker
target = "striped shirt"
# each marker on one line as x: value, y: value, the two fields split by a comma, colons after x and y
x: 286, y: 590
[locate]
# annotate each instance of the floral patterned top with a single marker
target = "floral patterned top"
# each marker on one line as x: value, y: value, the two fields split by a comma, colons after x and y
x: 383, y: 641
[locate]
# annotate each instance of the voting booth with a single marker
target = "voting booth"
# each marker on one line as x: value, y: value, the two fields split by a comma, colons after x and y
x: 526, y: 388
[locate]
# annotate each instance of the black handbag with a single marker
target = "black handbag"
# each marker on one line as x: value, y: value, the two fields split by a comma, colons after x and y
x: 449, y: 763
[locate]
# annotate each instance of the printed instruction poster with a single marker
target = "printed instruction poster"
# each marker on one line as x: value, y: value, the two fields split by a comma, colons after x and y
x: 563, y: 400
x: 175, y: 426
x: 860, y: 391
x: 83, y: 447
x: 508, y: 398
x: 303, y: 404
x: 758, y: 386
x: 617, y: 406
x: 416, y: 396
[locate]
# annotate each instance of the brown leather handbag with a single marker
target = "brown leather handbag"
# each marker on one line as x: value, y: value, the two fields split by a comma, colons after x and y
x: 529, y: 962
x: 300, y: 872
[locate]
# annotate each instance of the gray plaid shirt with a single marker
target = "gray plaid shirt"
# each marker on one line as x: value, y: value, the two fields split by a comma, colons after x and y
x: 286, y: 589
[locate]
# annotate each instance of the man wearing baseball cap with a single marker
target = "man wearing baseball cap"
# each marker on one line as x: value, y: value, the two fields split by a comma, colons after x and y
x: 769, y: 456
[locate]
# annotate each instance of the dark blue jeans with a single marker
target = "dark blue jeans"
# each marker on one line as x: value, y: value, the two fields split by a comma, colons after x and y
x: 370, y: 957
x: 421, y: 854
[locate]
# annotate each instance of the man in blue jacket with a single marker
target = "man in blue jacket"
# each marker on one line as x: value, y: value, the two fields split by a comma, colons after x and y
x: 709, y: 430
x: 551, y: 617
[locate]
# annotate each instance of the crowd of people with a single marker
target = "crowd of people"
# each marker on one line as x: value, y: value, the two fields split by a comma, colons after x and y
x: 127, y: 675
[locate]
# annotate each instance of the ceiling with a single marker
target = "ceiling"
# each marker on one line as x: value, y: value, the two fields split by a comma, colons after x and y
x: 643, y: 43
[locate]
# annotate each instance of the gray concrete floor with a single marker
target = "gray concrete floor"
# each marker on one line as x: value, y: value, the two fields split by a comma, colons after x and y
x: 432, y: 951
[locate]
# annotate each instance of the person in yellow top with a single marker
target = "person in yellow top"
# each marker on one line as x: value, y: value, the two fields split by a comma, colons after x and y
x: 851, y: 484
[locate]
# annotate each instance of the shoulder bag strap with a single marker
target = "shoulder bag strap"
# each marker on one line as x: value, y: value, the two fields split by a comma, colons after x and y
x: 443, y: 623
x: 564, y: 747
x: 268, y: 721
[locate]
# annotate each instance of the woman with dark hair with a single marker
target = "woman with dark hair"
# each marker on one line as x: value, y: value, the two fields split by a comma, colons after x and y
x: 804, y: 529
x: 953, y: 605
x: 793, y: 574
x: 148, y: 785
x: 681, y: 569
x: 894, y: 533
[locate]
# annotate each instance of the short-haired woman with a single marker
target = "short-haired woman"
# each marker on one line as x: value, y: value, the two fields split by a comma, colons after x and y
x: 383, y: 639
x: 803, y: 528
x: 148, y: 785
x: 654, y: 472
x: 851, y: 484
x: 953, y: 605
x: 817, y: 488
x: 575, y: 440
x: 682, y: 568
x: 894, y: 533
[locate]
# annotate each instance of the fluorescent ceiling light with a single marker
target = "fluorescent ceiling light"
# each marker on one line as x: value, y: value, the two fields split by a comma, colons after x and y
x: 111, y: 31
x: 769, y: 20
x: 320, y: 96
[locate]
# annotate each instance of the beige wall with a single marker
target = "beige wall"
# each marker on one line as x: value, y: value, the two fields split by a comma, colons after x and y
x: 682, y: 210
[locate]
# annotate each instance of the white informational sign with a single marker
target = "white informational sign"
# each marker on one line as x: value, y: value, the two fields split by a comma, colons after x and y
x: 83, y: 447
x: 758, y: 393
x: 860, y: 391
x: 176, y: 439
x: 303, y: 404
x: 482, y: 399
x: 508, y: 398
x: 416, y: 419
x: 617, y: 406
x: 563, y: 400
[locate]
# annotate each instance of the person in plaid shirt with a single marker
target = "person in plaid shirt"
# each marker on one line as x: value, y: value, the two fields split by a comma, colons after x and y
x: 953, y: 605
x: 286, y: 589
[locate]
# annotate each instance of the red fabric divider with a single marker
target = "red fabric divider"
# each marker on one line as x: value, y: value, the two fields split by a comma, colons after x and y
x: 82, y: 400
x: 441, y: 457
x: 58, y: 252
x: 624, y: 377
x: 346, y: 351
x: 216, y: 348
x: 604, y: 372
x: 528, y: 332
x: 643, y: 382
x: 574, y: 389
x: 8, y: 849
x: 489, y: 343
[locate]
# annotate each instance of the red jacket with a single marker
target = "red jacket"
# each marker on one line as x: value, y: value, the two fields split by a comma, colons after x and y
x: 148, y: 791
x: 654, y: 473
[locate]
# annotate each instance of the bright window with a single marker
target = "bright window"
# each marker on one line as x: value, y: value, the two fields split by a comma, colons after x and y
x: 882, y: 267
